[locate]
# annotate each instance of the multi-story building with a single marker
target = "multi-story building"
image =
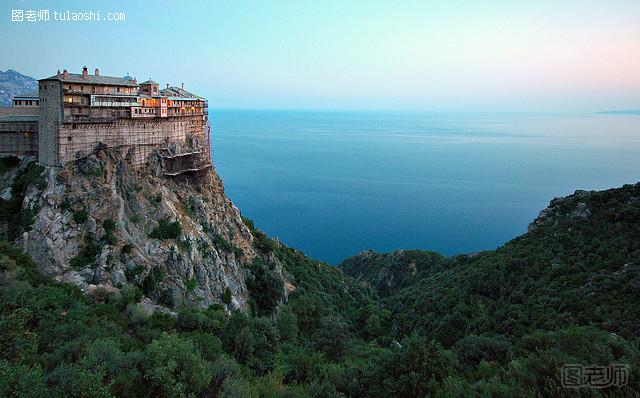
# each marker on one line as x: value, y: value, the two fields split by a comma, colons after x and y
x: 79, y: 112
x: 73, y: 114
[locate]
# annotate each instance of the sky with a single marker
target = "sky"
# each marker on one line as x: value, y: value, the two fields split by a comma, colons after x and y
x: 512, y: 56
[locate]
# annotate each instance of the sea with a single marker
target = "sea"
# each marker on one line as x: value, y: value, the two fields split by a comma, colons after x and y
x: 335, y: 183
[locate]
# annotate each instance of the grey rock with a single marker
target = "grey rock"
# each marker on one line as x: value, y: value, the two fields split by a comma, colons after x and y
x: 7, y: 194
x: 123, y: 194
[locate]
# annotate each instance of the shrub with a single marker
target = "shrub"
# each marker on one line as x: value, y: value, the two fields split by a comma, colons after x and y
x: 191, y: 284
x: 7, y: 163
x: 28, y: 216
x: 265, y: 286
x: 17, y: 218
x: 222, y: 243
x: 97, y: 171
x: 156, y: 200
x: 260, y: 239
x: 152, y: 281
x: 136, y: 314
x: 80, y: 216
x: 226, y: 296
x: 130, y: 293
x: 166, y: 230
x: 131, y: 273
x: 109, y: 227
x: 21, y: 380
x: 127, y: 248
x: 167, y: 297
x: 16, y: 340
x: 32, y: 176
x: 87, y: 254
x: 175, y: 367
x: 192, y: 318
x: 184, y: 245
x: 68, y: 380
x: 189, y: 206
x: 472, y: 349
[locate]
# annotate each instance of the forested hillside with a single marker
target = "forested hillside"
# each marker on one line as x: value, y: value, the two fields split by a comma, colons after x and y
x: 405, y: 324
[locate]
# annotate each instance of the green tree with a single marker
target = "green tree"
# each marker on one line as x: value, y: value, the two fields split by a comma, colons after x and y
x: 175, y: 367
x: 68, y: 380
x: 17, y: 341
x: 21, y: 380
x: 266, y: 287
x: 413, y: 369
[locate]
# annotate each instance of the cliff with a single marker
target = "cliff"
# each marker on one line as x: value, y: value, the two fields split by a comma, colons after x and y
x: 101, y: 225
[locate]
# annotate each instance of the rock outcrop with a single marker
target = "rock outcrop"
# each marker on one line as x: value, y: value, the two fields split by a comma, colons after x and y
x: 572, y: 207
x: 101, y: 225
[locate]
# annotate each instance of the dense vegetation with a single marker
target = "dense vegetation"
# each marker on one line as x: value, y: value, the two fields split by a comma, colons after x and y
x: 12, y: 213
x: 498, y: 323
x: 565, y: 293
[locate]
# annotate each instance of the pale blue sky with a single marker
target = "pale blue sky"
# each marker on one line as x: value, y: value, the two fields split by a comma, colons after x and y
x: 571, y: 55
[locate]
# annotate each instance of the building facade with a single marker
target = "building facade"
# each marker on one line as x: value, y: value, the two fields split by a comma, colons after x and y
x: 19, y: 126
x: 79, y: 112
x: 28, y: 100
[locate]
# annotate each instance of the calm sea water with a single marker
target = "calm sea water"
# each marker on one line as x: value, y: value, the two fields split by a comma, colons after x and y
x: 335, y: 183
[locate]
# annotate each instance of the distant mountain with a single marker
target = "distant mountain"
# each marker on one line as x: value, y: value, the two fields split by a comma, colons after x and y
x: 14, y: 83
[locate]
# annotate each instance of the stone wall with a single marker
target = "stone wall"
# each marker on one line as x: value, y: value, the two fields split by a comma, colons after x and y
x: 18, y: 131
x: 11, y: 111
x: 48, y: 122
x: 18, y: 142
x: 136, y: 139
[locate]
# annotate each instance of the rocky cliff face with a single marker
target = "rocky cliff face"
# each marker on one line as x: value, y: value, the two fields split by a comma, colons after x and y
x: 102, y: 226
